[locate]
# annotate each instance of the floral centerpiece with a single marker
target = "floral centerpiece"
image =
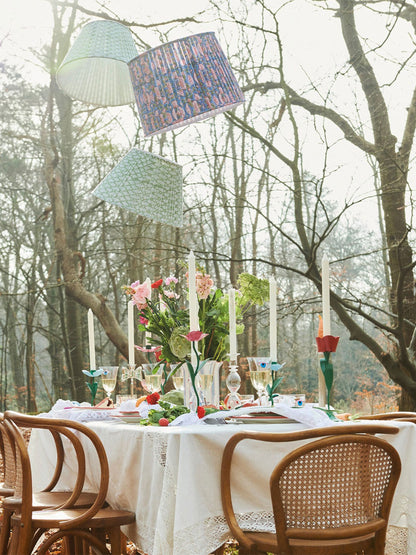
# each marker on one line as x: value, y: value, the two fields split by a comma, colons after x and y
x: 164, y: 317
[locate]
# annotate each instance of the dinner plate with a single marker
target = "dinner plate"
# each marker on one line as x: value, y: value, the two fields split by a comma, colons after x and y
x: 129, y: 417
x: 255, y: 419
x: 90, y: 408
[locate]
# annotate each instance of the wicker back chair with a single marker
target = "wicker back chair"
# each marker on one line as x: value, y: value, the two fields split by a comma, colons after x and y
x: 398, y: 415
x: 333, y: 496
x: 262, y: 542
x: 46, y: 498
x: 72, y: 522
x: 9, y: 463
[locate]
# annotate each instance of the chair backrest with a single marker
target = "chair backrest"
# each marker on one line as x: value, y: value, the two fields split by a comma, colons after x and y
x: 334, y: 488
x: 281, y: 437
x: 389, y: 416
x: 79, y: 435
x: 8, y: 454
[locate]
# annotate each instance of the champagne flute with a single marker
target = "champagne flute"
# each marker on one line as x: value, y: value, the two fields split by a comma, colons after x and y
x: 178, y: 377
x: 152, y: 378
x: 205, y: 379
x: 260, y: 376
x: 109, y: 379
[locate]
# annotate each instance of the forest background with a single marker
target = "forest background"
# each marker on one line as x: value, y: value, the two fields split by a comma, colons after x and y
x: 318, y: 159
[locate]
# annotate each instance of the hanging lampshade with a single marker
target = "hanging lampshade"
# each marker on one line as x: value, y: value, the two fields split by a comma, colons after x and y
x: 182, y: 82
x: 145, y: 184
x: 95, y: 68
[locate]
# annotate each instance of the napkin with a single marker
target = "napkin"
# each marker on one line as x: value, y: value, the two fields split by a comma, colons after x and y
x: 70, y: 410
x: 308, y: 415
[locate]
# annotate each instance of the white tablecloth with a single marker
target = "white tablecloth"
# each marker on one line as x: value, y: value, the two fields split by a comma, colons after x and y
x: 170, y: 477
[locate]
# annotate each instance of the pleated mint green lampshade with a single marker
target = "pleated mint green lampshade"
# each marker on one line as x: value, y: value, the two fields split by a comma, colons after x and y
x: 146, y: 184
x: 95, y: 68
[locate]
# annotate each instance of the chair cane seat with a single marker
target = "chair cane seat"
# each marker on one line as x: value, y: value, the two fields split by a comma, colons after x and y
x: 333, y: 547
x: 267, y: 541
x: 6, y: 491
x: 264, y: 541
x: 47, y: 499
x: 53, y: 518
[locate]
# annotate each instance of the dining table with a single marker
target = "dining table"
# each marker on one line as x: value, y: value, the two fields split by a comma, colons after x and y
x: 170, y: 478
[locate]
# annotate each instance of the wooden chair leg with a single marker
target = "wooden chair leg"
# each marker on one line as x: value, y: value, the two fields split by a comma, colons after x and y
x: 69, y: 545
x: 14, y: 542
x: 123, y: 543
x: 83, y: 535
x: 5, y: 530
x: 86, y: 548
x: 114, y: 535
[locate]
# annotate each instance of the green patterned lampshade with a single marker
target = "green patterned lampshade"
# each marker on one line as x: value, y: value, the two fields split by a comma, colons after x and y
x: 145, y: 184
x: 95, y: 68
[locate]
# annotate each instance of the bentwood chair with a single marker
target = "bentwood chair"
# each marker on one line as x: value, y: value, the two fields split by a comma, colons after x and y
x: 6, y: 487
x: 330, y: 497
x: 80, y: 527
x: 43, y: 499
x: 398, y: 415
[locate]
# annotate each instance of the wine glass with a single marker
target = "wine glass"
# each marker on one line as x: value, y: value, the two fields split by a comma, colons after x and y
x: 205, y: 380
x: 178, y: 377
x: 260, y: 376
x: 109, y: 379
x: 152, y: 373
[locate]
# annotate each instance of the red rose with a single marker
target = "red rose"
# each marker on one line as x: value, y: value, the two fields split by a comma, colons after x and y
x: 153, y: 398
x: 163, y: 422
x: 200, y: 412
x: 327, y: 344
x: 158, y: 354
x: 157, y: 284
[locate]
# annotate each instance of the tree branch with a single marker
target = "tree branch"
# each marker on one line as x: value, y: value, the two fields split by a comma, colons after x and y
x: 319, y: 110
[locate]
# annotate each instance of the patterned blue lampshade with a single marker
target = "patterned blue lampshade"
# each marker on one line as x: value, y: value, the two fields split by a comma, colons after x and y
x: 95, y: 68
x: 145, y: 184
x: 181, y: 82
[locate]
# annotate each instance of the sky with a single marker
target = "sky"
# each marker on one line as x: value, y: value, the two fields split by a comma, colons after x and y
x: 312, y: 48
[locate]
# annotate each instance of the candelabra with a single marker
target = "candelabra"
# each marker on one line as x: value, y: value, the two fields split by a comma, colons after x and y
x: 233, y: 383
x: 131, y: 373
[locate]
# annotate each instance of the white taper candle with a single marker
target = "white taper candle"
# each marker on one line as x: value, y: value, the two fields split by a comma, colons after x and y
x: 232, y: 326
x: 326, y: 323
x: 130, y: 327
x: 91, y: 339
x: 193, y: 298
x: 148, y: 335
x: 326, y: 313
x: 273, y: 318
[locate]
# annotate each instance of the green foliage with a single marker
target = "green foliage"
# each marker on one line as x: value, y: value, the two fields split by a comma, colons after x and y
x: 178, y: 344
x: 174, y: 397
x: 213, y: 316
x: 253, y: 290
x: 167, y: 327
x: 166, y: 412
